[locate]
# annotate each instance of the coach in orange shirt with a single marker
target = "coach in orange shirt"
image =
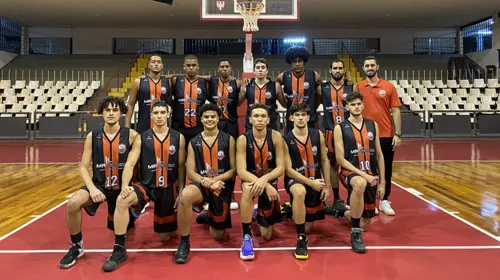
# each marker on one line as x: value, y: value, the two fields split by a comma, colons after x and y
x: 382, y: 105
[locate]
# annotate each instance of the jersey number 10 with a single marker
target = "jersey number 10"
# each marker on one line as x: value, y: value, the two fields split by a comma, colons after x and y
x: 365, y: 165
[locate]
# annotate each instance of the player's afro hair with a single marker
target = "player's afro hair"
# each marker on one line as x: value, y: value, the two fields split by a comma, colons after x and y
x: 296, y: 52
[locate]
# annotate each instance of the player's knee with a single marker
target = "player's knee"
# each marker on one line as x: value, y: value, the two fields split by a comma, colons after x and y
x: 122, y: 204
x: 164, y: 236
x: 245, y: 188
x: 76, y: 202
x: 358, y: 185
x: 217, y: 235
x: 365, y: 223
x: 187, y: 196
x: 308, y: 227
x: 298, y: 192
x: 267, y: 235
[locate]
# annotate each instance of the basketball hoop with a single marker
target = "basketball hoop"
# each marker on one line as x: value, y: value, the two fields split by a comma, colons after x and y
x: 250, y: 12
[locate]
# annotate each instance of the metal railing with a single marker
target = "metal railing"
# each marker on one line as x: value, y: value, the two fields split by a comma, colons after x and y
x: 42, y: 75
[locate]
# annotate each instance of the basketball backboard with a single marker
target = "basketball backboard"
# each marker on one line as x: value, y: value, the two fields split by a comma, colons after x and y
x: 226, y: 10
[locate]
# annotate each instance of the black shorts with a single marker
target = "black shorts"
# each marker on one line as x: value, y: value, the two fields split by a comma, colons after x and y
x: 330, y: 147
x: 370, y: 194
x: 315, y: 210
x: 219, y: 213
x: 268, y: 212
x: 188, y: 133
x: 165, y: 216
x: 230, y: 127
x: 111, y: 197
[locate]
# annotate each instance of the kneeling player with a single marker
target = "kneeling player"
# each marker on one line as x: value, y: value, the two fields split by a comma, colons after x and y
x: 359, y: 154
x: 306, y: 159
x: 260, y: 162
x: 161, y: 151
x: 211, y: 167
x: 107, y: 148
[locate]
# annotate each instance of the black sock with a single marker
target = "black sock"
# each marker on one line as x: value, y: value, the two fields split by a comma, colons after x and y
x: 336, y: 195
x: 301, y: 229
x: 356, y: 222
x: 185, y: 238
x: 120, y: 239
x: 386, y: 197
x: 76, y: 238
x: 246, y: 229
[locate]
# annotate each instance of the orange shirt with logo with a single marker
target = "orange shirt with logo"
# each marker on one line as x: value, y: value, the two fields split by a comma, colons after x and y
x: 379, y: 99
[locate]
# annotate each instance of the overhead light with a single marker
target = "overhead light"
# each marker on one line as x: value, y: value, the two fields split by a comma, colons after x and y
x: 294, y: 40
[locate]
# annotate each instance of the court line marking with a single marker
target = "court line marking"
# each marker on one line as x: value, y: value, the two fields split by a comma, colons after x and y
x: 34, y: 220
x: 447, y: 212
x: 262, y: 249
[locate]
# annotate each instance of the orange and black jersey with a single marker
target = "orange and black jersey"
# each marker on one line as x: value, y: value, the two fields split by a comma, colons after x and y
x: 109, y: 157
x: 159, y: 159
x: 334, y: 104
x: 264, y: 95
x: 213, y: 160
x: 301, y: 90
x: 187, y: 99
x: 149, y: 92
x: 305, y: 157
x: 260, y: 160
x: 359, y: 145
x: 225, y: 95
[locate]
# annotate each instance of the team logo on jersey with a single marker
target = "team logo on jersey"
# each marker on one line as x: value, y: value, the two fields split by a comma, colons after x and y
x: 171, y: 149
x: 220, y: 5
x: 198, y: 90
x: 122, y: 148
x: 344, y: 96
x: 314, y: 150
x: 220, y: 155
x: 382, y: 92
x: 230, y: 89
x: 370, y: 135
x: 306, y: 85
x: 268, y: 95
x: 163, y: 90
x: 269, y: 156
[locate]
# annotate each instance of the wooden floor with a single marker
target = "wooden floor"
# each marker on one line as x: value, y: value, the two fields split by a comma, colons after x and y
x: 32, y: 189
x: 470, y: 188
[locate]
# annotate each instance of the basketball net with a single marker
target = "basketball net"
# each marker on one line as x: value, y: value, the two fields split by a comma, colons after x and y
x: 250, y: 12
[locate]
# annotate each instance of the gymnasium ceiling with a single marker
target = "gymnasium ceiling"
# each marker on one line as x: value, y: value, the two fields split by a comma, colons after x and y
x: 314, y: 13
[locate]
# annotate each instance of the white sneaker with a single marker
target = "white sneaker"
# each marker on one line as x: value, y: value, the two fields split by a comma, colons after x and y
x: 385, y: 206
x: 205, y: 207
x: 144, y: 209
x: 234, y: 205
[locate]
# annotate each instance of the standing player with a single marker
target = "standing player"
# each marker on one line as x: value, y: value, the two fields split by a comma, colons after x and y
x: 360, y: 156
x: 262, y: 90
x: 300, y: 85
x: 306, y: 161
x: 161, y: 152
x: 211, y: 167
x: 382, y: 105
x: 188, y: 95
x: 260, y: 162
x: 147, y: 90
x: 333, y: 95
x: 107, y: 148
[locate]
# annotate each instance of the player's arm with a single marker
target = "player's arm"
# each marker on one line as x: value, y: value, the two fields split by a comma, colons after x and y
x: 292, y: 173
x: 132, y: 158
x: 280, y: 95
x: 182, y: 163
x: 279, y: 79
x: 339, y: 153
x: 280, y: 159
x: 231, y: 173
x: 191, y: 166
x: 318, y: 96
x: 172, y: 91
x: 95, y: 194
x: 132, y: 98
x: 325, y: 164
x: 242, y: 94
x: 241, y: 161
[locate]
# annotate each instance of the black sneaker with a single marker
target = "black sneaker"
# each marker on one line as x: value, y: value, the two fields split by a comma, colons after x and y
x: 336, y: 209
x: 181, y: 256
x: 118, y: 256
x: 202, y: 219
x: 301, y: 252
x: 286, y: 210
x: 75, y: 252
x: 357, y: 244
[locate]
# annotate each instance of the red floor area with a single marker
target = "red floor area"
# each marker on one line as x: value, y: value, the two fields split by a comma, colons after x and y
x: 411, y: 150
x: 421, y: 242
